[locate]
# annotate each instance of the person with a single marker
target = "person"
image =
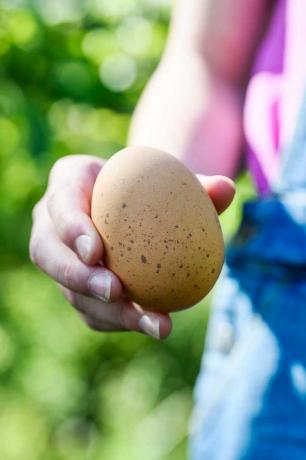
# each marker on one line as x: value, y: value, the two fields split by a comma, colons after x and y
x: 230, y: 91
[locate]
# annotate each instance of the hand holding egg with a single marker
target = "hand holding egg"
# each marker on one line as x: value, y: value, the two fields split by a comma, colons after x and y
x: 66, y: 245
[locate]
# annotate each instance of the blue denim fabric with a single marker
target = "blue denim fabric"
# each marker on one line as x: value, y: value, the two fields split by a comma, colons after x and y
x: 292, y: 176
x: 250, y: 396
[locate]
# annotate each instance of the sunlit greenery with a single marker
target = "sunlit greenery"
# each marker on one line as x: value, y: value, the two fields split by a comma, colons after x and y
x: 70, y: 74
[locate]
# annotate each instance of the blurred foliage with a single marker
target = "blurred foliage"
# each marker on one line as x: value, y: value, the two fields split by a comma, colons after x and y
x: 70, y: 74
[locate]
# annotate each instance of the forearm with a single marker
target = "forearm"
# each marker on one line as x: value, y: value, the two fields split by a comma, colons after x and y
x: 192, y: 106
x: 191, y: 114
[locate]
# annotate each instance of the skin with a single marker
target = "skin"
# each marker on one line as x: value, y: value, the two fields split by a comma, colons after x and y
x: 197, y: 87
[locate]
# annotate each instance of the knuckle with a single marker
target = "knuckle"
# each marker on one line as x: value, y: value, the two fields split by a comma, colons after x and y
x: 85, y: 167
x: 85, y: 163
x: 66, y: 224
x: 69, y: 228
x: 66, y: 273
x: 72, y: 275
x: 56, y: 197
x: 58, y: 166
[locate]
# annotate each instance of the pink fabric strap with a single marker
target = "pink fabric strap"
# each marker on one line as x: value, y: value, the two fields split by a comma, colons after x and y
x: 263, y: 99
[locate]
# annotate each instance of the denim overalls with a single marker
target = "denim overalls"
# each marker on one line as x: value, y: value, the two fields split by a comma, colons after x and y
x: 250, y: 396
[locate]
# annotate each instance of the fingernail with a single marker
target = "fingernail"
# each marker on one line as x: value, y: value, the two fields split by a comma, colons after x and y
x: 83, y: 247
x: 100, y: 286
x: 150, y: 326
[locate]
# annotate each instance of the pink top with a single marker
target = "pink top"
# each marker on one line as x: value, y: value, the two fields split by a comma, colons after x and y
x: 274, y: 92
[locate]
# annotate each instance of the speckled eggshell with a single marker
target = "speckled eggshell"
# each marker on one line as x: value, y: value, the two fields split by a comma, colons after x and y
x: 160, y: 230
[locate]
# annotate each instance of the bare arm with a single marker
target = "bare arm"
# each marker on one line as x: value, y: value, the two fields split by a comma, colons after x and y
x: 192, y: 106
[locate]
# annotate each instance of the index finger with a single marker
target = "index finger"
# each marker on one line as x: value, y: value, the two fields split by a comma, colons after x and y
x: 68, y: 203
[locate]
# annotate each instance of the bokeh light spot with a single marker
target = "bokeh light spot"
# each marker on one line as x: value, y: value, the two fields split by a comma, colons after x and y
x: 118, y: 72
x: 59, y: 11
x: 23, y: 27
x: 135, y: 35
x: 9, y: 136
x: 99, y: 43
x: 112, y: 10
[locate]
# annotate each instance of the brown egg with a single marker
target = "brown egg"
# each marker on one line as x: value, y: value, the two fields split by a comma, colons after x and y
x: 160, y: 230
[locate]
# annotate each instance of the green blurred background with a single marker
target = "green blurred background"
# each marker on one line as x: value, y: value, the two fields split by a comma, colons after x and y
x: 71, y: 72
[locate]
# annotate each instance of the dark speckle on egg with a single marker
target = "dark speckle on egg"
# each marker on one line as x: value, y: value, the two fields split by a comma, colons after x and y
x: 143, y: 259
